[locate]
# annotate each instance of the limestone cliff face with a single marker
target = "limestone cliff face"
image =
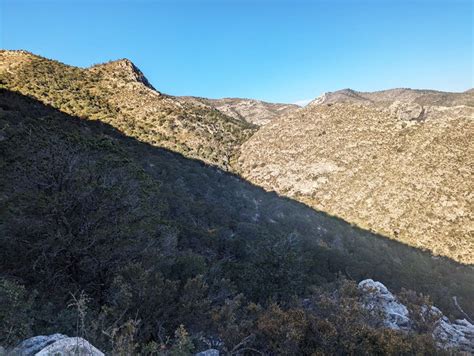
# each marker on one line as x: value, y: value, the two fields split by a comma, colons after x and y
x: 401, y: 168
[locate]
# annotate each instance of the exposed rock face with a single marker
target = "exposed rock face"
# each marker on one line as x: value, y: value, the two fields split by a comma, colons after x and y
x: 458, y: 334
x: 57, y: 345
x: 252, y: 111
x: 405, y: 173
x: 378, y: 298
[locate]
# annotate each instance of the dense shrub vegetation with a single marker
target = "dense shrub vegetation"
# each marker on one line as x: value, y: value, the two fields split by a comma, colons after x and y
x: 117, y: 93
x: 142, y: 250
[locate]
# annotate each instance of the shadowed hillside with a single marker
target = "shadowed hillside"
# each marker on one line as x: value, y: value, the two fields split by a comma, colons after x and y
x: 148, y: 234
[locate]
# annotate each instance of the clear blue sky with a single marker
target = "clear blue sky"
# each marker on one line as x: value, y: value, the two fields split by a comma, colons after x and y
x: 282, y: 51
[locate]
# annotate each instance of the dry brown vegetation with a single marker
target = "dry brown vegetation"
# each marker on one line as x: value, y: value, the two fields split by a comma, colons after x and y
x: 409, y: 180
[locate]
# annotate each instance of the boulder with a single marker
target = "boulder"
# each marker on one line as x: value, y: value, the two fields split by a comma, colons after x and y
x: 406, y: 111
x: 35, y: 344
x: 70, y: 346
x: 210, y: 352
x: 378, y: 298
x: 57, y: 345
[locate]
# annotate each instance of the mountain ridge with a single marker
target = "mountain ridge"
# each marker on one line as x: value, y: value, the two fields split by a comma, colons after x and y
x: 388, y: 96
x: 253, y: 111
x: 162, y: 218
x: 118, y: 93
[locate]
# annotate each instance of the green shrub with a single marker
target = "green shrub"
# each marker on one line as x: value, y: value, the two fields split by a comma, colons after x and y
x: 16, y: 318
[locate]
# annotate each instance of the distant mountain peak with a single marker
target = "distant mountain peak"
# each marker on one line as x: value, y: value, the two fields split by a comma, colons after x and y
x: 385, y: 98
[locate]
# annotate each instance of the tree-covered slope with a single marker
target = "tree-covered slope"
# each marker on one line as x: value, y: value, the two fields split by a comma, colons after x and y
x: 142, y: 240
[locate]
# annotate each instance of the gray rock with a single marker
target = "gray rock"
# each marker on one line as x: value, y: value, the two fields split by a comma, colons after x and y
x: 406, y: 111
x: 378, y: 298
x: 70, y: 346
x: 35, y: 344
x: 56, y: 344
x: 210, y: 352
x: 459, y: 334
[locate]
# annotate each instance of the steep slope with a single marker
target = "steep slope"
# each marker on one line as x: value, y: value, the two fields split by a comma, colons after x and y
x: 255, y: 112
x: 119, y: 94
x: 143, y: 233
x: 400, y: 169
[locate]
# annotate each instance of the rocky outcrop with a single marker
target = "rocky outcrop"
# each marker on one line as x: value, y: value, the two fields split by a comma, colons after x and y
x: 448, y: 335
x: 56, y: 344
x: 406, y: 111
x: 126, y: 70
x: 378, y: 298
x: 458, y: 334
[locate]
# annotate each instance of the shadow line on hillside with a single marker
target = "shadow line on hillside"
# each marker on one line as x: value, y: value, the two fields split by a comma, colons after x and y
x: 241, y: 208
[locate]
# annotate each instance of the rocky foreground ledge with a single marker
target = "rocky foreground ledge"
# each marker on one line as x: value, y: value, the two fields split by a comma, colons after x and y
x: 448, y: 335
x: 457, y: 335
